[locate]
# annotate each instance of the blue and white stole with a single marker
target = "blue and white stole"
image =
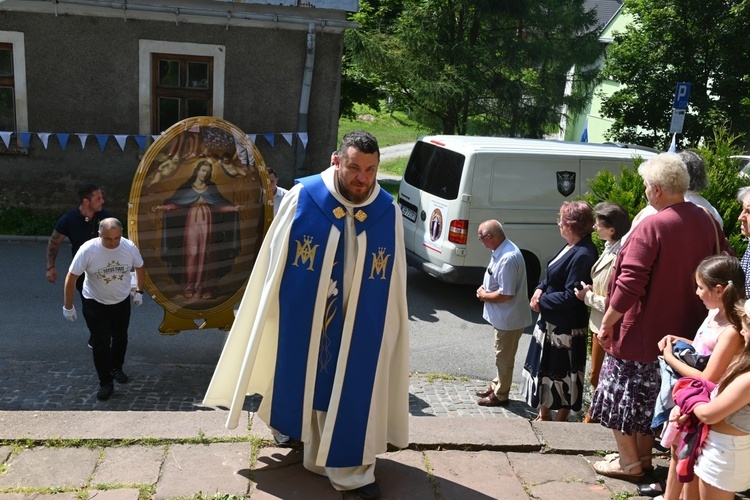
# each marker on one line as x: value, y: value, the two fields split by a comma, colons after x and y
x: 317, y: 211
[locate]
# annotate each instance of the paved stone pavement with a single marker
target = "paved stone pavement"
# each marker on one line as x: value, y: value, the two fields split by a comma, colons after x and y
x: 61, y: 385
x: 73, y: 453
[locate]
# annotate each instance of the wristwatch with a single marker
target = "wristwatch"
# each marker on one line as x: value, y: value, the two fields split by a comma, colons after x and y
x: 139, y: 291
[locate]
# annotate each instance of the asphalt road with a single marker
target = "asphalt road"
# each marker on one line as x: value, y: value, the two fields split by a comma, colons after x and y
x: 448, y: 334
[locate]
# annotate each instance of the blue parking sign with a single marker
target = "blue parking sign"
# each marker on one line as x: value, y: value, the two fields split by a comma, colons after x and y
x: 681, y: 95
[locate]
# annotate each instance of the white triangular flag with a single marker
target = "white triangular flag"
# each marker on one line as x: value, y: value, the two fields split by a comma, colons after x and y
x: 288, y: 138
x: 252, y: 137
x: 83, y: 138
x: 44, y: 136
x: 5, y: 136
x: 303, y: 137
x: 121, y: 140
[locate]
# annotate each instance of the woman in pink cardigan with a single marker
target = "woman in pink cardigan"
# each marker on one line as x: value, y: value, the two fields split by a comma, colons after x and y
x: 651, y: 294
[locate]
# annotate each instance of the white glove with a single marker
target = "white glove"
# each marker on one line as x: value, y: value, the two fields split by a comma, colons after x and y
x: 70, y: 314
x: 137, y: 299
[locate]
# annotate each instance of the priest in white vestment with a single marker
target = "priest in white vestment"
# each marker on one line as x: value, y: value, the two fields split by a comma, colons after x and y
x: 322, y: 330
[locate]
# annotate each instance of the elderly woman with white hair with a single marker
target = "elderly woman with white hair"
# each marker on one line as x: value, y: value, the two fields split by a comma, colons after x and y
x: 651, y: 293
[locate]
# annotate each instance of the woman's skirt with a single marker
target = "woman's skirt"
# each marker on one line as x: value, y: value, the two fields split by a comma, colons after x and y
x: 626, y: 395
x: 555, y: 365
x: 724, y: 461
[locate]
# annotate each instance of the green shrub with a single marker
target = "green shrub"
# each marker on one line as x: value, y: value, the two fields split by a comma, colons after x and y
x: 20, y: 221
x: 724, y: 182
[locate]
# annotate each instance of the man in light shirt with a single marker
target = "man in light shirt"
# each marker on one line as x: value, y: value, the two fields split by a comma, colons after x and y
x: 506, y: 307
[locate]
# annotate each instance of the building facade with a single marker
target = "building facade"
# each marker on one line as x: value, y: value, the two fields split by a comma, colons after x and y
x: 87, y: 85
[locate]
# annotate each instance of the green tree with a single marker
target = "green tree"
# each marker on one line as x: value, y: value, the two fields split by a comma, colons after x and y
x: 703, y: 42
x: 498, y: 66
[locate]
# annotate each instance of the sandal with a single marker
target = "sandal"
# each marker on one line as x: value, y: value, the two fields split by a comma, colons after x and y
x: 646, y: 469
x: 607, y: 468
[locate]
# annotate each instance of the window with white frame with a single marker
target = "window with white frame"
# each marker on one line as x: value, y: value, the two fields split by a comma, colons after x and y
x: 13, y: 110
x: 179, y: 80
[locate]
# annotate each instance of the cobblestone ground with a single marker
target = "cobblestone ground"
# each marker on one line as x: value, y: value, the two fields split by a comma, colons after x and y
x: 45, y: 386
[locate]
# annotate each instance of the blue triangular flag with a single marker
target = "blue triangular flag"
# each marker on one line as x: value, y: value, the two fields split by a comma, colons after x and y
x: 25, y: 137
x: 141, y: 140
x: 102, y: 138
x: 63, y: 138
x: 269, y: 138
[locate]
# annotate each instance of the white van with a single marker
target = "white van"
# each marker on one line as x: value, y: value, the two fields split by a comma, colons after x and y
x: 453, y: 183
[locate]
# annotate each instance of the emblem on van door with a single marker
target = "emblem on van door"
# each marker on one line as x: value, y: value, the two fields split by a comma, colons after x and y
x: 436, y: 224
x: 566, y: 182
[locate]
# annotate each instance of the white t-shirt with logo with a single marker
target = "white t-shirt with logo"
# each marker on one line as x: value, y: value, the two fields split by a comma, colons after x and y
x: 107, y: 270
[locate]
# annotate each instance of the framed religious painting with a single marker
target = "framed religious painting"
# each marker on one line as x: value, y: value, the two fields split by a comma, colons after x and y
x: 199, y: 208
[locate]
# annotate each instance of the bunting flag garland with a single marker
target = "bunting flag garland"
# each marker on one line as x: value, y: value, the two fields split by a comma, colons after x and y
x: 63, y: 138
x: 45, y: 139
x: 121, y: 139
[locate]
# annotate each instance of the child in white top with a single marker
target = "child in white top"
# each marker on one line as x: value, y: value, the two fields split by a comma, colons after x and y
x: 720, y: 285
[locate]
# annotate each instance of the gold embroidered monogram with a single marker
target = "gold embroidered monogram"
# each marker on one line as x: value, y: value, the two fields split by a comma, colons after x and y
x: 306, y: 252
x: 379, y: 263
x: 339, y: 212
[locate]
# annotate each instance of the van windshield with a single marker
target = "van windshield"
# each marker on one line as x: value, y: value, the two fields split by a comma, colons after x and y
x: 435, y: 170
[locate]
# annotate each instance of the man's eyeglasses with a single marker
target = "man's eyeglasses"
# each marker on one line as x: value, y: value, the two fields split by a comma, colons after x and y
x: 483, y: 237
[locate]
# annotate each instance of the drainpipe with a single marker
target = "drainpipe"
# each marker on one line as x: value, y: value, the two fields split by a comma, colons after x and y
x: 300, y: 166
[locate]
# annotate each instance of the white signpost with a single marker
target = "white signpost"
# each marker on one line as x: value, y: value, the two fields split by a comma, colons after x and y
x: 679, y: 108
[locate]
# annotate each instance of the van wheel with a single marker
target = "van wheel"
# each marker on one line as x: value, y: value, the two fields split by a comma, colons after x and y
x: 533, y: 271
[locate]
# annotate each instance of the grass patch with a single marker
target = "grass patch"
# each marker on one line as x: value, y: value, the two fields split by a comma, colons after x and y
x: 394, y: 167
x: 432, y: 377
x: 388, y: 128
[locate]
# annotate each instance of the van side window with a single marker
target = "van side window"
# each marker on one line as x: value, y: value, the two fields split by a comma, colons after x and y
x: 435, y: 170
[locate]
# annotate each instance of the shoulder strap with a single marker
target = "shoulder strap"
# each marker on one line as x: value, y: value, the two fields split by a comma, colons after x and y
x: 714, y: 224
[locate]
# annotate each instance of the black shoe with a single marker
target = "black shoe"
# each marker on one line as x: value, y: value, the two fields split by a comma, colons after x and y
x: 105, y: 392
x: 369, y: 491
x: 651, y: 490
x: 120, y: 376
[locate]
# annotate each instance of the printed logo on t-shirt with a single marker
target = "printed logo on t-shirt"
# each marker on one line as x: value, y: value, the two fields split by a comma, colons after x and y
x: 114, y: 271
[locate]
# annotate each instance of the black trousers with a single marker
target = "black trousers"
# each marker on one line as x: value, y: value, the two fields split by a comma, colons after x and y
x: 108, y: 327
